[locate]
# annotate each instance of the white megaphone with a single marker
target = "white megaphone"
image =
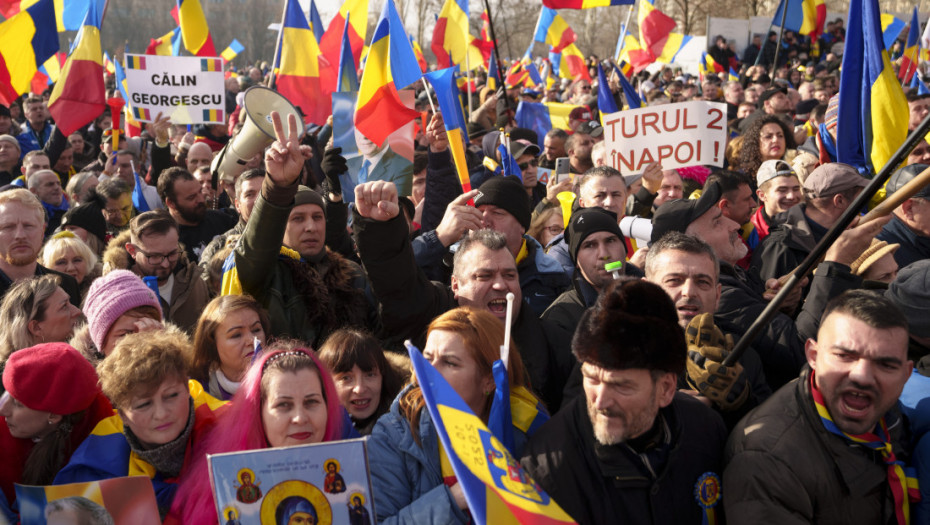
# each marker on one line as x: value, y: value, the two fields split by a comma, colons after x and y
x: 257, y: 131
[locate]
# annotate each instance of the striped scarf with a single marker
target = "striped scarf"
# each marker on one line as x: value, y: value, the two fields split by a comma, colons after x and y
x: 901, y: 478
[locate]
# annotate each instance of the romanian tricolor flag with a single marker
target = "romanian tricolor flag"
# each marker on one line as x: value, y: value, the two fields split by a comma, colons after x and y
x: 625, y: 43
x: 891, y: 29
x: 211, y: 64
x: 232, y: 50
x: 542, y: 117
x: 583, y: 4
x: 806, y: 17
x: 418, y: 51
x: 27, y: 40
x: 348, y: 73
x: 496, y: 487
x: 299, y: 76
x: 733, y: 76
x: 132, y: 126
x: 657, y: 41
x: 453, y: 118
x: 194, y: 29
x: 79, y: 95
x: 911, y: 51
x: 872, y: 107
x: 391, y: 66
x: 214, y: 116
x: 452, y: 43
x: 356, y: 12
x: 572, y: 64
x: 484, y: 38
x: 69, y: 14
x: 108, y: 64
x: 168, y: 44
x: 135, y: 62
x: 552, y: 29
x: 106, y: 453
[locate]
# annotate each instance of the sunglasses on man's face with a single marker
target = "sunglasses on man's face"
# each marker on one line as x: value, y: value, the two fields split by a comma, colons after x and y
x: 527, y: 164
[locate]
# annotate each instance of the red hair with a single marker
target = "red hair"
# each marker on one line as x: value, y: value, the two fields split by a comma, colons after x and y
x: 240, y: 428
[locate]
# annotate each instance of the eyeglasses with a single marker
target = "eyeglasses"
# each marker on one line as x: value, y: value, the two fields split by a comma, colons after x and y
x: 586, y: 88
x: 554, y: 230
x: 157, y: 258
x: 527, y: 164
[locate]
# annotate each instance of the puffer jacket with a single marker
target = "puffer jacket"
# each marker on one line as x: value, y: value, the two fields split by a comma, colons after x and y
x: 783, y: 466
x: 190, y: 293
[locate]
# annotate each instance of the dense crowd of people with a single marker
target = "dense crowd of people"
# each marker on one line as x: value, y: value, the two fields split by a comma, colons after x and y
x: 156, y: 310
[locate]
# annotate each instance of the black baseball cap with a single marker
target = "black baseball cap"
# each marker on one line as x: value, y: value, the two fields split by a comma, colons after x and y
x: 676, y: 215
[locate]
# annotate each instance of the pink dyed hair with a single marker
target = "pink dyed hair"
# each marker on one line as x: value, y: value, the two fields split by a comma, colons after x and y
x: 240, y: 428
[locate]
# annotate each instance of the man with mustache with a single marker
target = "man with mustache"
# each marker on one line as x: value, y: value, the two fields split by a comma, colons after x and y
x: 829, y: 448
x: 632, y: 445
x: 197, y: 225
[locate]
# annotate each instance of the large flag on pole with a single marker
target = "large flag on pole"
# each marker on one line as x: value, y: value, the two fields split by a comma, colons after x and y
x: 657, y: 41
x: 356, y: 12
x: 348, y: 72
x: 168, y: 44
x: 27, y: 40
x: 194, y: 29
x: 79, y: 95
x: 496, y: 487
x: 316, y: 23
x: 806, y: 17
x: 872, y: 106
x: 391, y: 65
x: 605, y: 99
x: 552, y: 29
x: 69, y: 14
x: 298, y: 78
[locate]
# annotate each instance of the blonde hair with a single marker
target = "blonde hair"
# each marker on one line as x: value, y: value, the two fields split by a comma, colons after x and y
x: 141, y: 362
x: 60, y: 243
x: 26, y: 198
x: 26, y: 301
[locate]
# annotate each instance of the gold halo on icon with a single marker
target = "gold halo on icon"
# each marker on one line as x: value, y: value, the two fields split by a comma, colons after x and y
x: 358, y: 495
x: 296, y: 487
x: 243, y: 471
x: 233, y: 509
x: 331, y: 460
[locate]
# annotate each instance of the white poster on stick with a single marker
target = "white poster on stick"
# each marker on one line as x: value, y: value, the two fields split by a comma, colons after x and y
x: 189, y: 90
x: 677, y: 135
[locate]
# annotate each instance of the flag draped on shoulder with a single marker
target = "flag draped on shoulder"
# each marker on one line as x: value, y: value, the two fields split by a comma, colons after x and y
x: 873, y: 113
x: 391, y: 66
x: 298, y: 77
x: 79, y: 95
x: 496, y: 487
x: 27, y: 40
x: 194, y: 29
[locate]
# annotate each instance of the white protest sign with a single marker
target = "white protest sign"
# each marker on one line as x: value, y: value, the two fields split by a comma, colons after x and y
x: 189, y: 90
x: 677, y: 135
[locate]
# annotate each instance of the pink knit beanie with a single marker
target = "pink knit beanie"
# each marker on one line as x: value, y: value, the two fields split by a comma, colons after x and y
x: 110, y: 297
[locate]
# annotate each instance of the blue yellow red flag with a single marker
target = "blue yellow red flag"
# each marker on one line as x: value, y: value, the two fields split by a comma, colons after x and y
x: 298, y: 76
x: 391, y: 66
x: 733, y: 76
x: 572, y: 64
x: 168, y: 44
x: 348, y: 72
x: 79, y: 95
x: 232, y: 50
x: 543, y: 117
x: 421, y: 60
x: 69, y: 14
x: 911, y: 51
x: 583, y: 4
x: 657, y: 42
x: 27, y: 40
x: 496, y: 487
x: 108, y: 64
x: 552, y: 29
x: 194, y: 28
x: 453, y: 118
x: 872, y: 106
x: 452, y: 42
x: 806, y: 17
